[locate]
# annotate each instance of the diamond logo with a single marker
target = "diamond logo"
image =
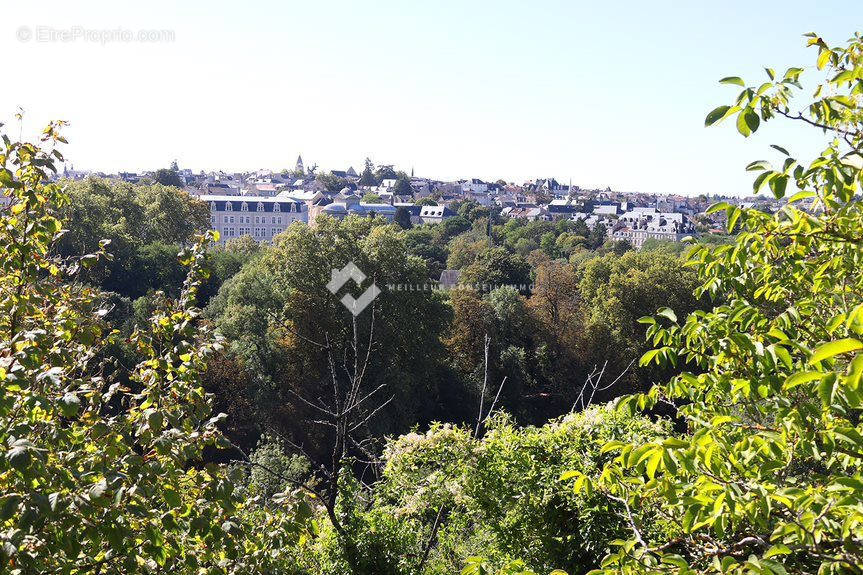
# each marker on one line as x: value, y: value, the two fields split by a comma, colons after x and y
x: 341, y: 277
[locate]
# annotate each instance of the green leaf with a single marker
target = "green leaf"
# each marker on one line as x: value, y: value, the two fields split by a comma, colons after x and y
x: 758, y: 165
x: 827, y: 388
x: 761, y: 179
x: 648, y: 357
x: 675, y: 443
x: 733, y: 217
x: 19, y: 457
x: 800, y: 196
x: 793, y: 73
x: 778, y: 185
x: 747, y: 122
x: 716, y: 115
x: 667, y: 313
x: 653, y: 463
x: 780, y: 148
x: 172, y: 498
x: 69, y: 405
x: 736, y: 80
x: 802, y: 378
x: 717, y: 207
x: 777, y: 550
x: 834, y: 348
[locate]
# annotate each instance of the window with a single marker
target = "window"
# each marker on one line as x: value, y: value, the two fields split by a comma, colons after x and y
x: 228, y: 207
x: 260, y: 206
x: 277, y: 207
x: 244, y: 207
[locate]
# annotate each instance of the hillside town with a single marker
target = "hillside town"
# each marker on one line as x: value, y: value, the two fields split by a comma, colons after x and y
x: 261, y: 204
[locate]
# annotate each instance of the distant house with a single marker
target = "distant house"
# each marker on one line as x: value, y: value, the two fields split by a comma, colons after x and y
x: 474, y: 185
x: 348, y: 174
x: 558, y: 211
x: 435, y: 214
x: 263, y: 189
x: 549, y: 186
x: 341, y: 210
x: 606, y: 209
x: 222, y: 188
x: 309, y: 197
x: 529, y: 213
x: 481, y: 198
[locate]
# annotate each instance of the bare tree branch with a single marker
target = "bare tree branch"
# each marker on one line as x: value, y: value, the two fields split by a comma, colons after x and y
x: 487, y: 340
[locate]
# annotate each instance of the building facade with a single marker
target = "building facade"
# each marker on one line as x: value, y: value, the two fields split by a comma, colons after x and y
x: 261, y: 218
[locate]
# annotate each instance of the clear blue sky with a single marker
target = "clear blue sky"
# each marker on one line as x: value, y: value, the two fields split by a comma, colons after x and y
x: 605, y: 93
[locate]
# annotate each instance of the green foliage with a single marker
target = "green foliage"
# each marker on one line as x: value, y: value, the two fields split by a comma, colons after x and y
x: 273, y: 469
x: 279, y: 301
x: 402, y: 186
x: 496, y: 267
x: 769, y: 478
x: 501, y: 496
x: 98, y: 476
x: 331, y: 182
x: 168, y: 177
x: 403, y: 218
x: 372, y: 198
x: 367, y: 177
x: 143, y: 223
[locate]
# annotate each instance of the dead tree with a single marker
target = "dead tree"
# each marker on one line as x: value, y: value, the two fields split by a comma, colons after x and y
x: 480, y: 420
x: 345, y: 413
x: 593, y: 383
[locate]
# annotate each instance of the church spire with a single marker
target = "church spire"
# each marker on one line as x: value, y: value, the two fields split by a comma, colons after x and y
x: 300, y: 167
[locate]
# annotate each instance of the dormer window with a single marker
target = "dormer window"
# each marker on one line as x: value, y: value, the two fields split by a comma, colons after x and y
x: 277, y: 207
x: 260, y: 207
x: 212, y: 206
x: 228, y: 207
x: 244, y: 207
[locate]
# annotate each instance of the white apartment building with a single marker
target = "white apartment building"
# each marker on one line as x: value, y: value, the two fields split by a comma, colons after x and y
x: 642, y: 224
x: 258, y: 217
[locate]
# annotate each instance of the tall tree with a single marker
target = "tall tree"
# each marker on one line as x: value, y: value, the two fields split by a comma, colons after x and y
x: 403, y: 218
x: 367, y: 177
x: 168, y: 177
x: 769, y: 477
